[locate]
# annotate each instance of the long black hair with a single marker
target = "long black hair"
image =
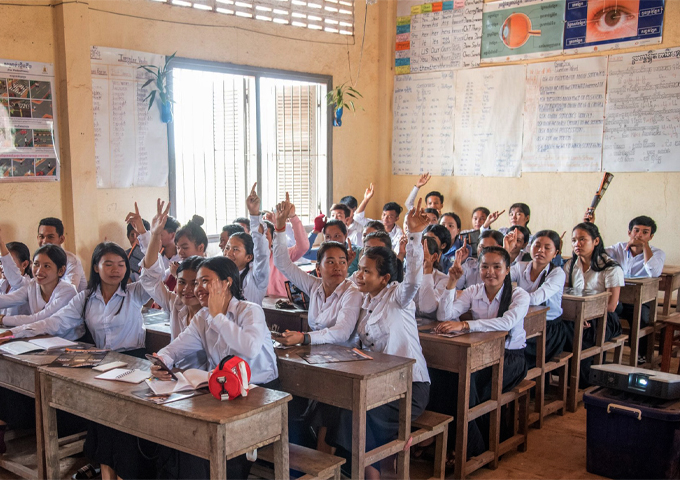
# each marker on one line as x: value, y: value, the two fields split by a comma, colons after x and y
x: 557, y: 241
x: 432, y: 248
x: 385, y: 262
x: 495, y: 234
x: 249, y: 246
x: 193, y: 231
x: 54, y: 253
x: 506, y: 297
x: 95, y: 280
x: 225, y: 269
x: 24, y: 255
x: 599, y: 261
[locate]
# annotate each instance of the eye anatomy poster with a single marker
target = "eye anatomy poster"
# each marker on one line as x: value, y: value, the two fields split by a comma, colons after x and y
x: 522, y: 29
x: 28, y: 133
x: 597, y: 25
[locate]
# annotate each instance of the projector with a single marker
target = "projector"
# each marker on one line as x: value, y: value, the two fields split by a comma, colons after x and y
x: 665, y: 386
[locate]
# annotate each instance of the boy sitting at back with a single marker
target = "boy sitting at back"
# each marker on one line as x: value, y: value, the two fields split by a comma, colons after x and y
x: 390, y: 217
x: 134, y: 253
x: 354, y: 230
x: 519, y: 215
x: 51, y: 230
x: 433, y: 199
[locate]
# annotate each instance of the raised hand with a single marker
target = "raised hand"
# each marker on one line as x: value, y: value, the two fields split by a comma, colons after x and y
x: 510, y: 241
x: 428, y: 259
x: 253, y: 201
x: 283, y: 212
x: 589, y: 216
x: 368, y: 194
x: 456, y: 271
x: 422, y: 181
x: 218, y: 301
x: 416, y: 219
x: 174, y: 266
x: 351, y: 254
x: 492, y: 218
x: 463, y: 252
x: 319, y: 222
x: 161, y: 217
x: 402, y: 247
x: 135, y: 219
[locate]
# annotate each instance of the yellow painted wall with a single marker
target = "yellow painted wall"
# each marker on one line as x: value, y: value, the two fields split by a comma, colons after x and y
x: 558, y: 200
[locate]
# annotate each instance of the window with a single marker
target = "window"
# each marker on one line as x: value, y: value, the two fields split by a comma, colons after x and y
x: 234, y: 126
x: 333, y: 16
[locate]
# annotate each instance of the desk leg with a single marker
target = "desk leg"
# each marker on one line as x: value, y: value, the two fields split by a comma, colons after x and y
x: 575, y: 370
x: 359, y: 430
x: 599, y: 340
x: 669, y: 332
x: 281, y: 448
x: 649, y: 354
x: 667, y: 295
x: 495, y: 415
x: 404, y: 456
x: 462, y: 411
x: 39, y: 437
x: 49, y: 425
x: 635, y: 329
x: 218, y: 452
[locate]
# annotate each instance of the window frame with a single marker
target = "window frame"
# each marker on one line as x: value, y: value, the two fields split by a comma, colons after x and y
x: 258, y: 73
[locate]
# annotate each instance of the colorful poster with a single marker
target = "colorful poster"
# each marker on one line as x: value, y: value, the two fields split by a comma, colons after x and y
x: 28, y: 131
x: 522, y: 29
x: 597, y: 25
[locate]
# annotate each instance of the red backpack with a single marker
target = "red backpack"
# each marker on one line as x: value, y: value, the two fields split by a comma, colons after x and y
x: 230, y: 379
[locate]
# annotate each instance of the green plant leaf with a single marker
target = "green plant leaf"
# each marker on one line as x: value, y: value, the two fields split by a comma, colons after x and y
x: 147, y: 83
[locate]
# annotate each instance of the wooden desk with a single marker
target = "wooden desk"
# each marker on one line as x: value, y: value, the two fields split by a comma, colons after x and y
x: 669, y: 283
x: 638, y: 291
x: 535, y: 327
x: 580, y: 306
x: 293, y: 319
x: 157, y: 326
x: 464, y: 355
x: 201, y: 426
x: 356, y: 386
x: 20, y: 374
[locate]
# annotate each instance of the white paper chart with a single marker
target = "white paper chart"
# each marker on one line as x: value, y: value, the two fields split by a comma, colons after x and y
x: 131, y: 143
x: 488, y: 121
x: 564, y: 115
x: 642, y: 126
x: 422, y: 131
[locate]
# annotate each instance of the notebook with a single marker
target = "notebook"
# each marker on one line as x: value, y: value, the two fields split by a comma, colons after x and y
x: 188, y: 380
x: 18, y: 348
x: 125, y: 375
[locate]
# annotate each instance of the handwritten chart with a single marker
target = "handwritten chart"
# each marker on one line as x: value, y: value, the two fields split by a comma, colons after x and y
x: 422, y: 132
x: 488, y: 121
x: 642, y: 126
x: 564, y: 116
x: 131, y: 145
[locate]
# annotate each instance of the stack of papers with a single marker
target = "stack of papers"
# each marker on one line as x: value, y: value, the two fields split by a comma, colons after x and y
x: 18, y: 348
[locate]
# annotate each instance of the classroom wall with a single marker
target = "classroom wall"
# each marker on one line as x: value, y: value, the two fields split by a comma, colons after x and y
x: 558, y: 200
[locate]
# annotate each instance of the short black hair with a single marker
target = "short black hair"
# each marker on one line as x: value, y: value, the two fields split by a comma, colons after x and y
x: 495, y: 234
x: 375, y: 224
x: 325, y: 246
x: 52, y: 222
x: 441, y: 232
x: 434, y: 193
x: 526, y: 233
x: 522, y: 206
x: 341, y: 206
x: 130, y: 228
x: 381, y: 235
x: 484, y: 210
x: 171, y: 225
x: 644, y: 221
x: 433, y: 211
x: 394, y: 206
x: 336, y: 223
x: 350, y: 201
x: 232, y: 229
x: 455, y: 217
x: 242, y: 220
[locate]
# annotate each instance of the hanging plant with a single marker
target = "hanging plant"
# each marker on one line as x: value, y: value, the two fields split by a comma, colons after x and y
x: 342, y: 97
x: 160, y: 81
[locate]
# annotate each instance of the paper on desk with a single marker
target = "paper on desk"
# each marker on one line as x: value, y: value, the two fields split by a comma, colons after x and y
x: 52, y: 342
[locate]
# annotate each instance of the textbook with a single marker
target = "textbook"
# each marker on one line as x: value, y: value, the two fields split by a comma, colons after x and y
x: 21, y: 347
x: 124, y: 375
x: 150, y: 396
x: 79, y: 358
x: 188, y: 380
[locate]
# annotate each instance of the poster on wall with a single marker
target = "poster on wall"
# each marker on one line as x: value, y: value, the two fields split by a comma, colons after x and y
x: 522, y: 29
x: 131, y: 141
x: 599, y: 25
x: 28, y: 130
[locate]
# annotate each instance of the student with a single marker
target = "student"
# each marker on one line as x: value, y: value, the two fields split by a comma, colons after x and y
x: 228, y: 231
x: 371, y: 227
x: 244, y: 222
x: 443, y: 238
x: 226, y: 325
x: 250, y: 253
x: 433, y: 199
x: 277, y: 279
x: 479, y: 216
x: 590, y: 268
x: 111, y: 309
x: 191, y: 239
x: 340, y: 211
x: 336, y: 231
x: 134, y: 253
x: 387, y: 324
x: 433, y: 283
x: 51, y: 230
x: 520, y: 241
x: 432, y: 215
x: 15, y: 273
x: 381, y: 239
x: 471, y: 274
x: 354, y: 230
x: 519, y: 215
x: 544, y: 282
x: 451, y: 222
x: 390, y: 217
x: 495, y: 306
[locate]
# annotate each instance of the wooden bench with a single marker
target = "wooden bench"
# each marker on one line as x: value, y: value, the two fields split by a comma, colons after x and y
x: 637, y: 292
x: 519, y: 398
x: 669, y: 282
x: 312, y: 463
x: 671, y: 325
x: 432, y: 424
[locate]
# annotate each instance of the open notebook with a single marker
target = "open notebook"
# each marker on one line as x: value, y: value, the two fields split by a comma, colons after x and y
x: 188, y: 380
x: 17, y: 348
x: 125, y: 375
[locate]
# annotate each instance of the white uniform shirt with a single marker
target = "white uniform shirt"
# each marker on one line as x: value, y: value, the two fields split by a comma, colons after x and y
x: 257, y: 279
x: 144, y: 241
x: 242, y: 331
x: 355, y: 234
x: 395, y: 234
x: 484, y: 313
x: 117, y: 325
x: 13, y: 281
x: 550, y: 293
x: 333, y: 319
x: 471, y: 275
x: 152, y: 281
x: 74, y: 272
x: 388, y: 321
x: 431, y: 289
x: 635, y: 266
x: 596, y: 281
x: 31, y: 296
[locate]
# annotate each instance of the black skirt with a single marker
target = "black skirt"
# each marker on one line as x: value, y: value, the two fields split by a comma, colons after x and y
x: 555, y: 337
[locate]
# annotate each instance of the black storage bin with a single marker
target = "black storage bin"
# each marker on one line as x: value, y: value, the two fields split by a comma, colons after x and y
x: 632, y: 436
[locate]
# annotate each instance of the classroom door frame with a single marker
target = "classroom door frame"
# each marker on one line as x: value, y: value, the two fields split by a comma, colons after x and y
x: 258, y: 73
